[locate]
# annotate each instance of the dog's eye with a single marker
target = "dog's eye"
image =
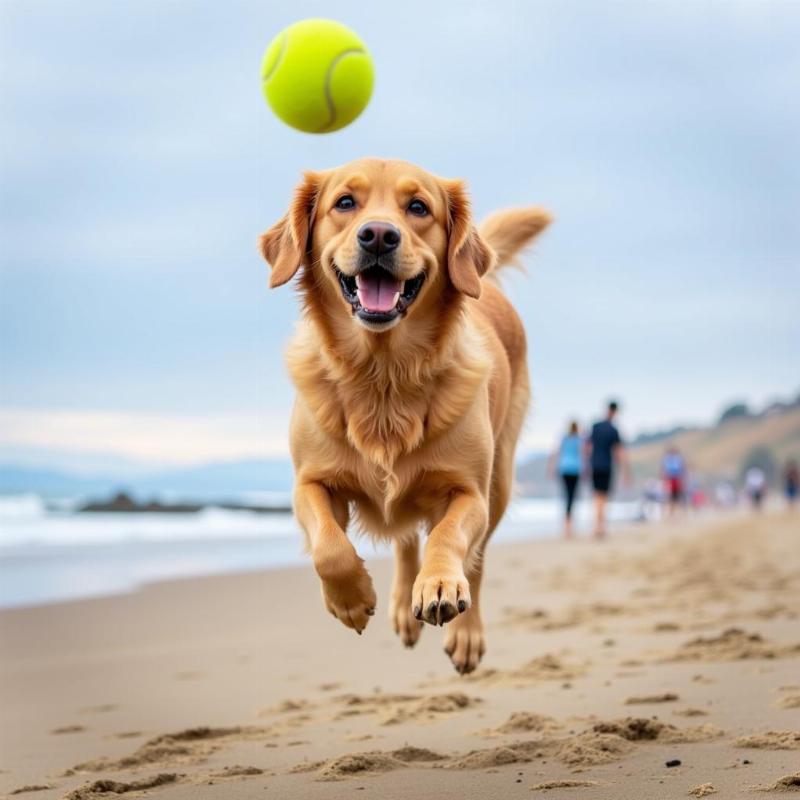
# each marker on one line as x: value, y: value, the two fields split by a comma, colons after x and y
x: 418, y: 208
x: 346, y: 203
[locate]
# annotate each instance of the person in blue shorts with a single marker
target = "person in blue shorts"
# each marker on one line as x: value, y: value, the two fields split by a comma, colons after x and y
x: 604, y: 449
x: 568, y: 460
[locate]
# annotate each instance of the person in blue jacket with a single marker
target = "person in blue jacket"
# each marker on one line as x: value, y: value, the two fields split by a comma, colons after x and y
x: 568, y: 462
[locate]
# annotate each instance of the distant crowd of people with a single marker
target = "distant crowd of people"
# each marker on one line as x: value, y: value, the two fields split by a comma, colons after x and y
x: 601, y: 453
x: 756, y: 484
x: 677, y: 490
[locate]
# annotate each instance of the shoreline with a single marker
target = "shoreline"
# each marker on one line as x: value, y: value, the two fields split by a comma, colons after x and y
x: 104, y: 555
x: 301, y: 562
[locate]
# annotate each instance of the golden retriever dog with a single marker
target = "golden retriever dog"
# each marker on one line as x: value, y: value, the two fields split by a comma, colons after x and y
x: 412, y: 387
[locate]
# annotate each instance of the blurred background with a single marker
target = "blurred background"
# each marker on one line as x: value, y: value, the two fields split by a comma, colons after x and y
x: 141, y: 352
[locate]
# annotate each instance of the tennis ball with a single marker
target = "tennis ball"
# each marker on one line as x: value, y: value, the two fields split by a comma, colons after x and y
x: 317, y: 75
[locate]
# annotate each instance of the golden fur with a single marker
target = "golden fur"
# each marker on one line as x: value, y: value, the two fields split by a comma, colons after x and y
x: 413, y: 426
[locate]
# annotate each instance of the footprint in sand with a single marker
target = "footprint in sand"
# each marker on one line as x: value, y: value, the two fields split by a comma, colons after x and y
x: 285, y: 706
x: 648, y: 699
x: 703, y: 790
x: 788, y: 783
x: 690, y: 712
x: 548, y: 785
x: 540, y: 619
x: 547, y: 667
x: 637, y: 729
x: 522, y: 722
x: 771, y: 740
x: 789, y: 701
x: 733, y: 644
x: 666, y: 627
x: 33, y: 787
x: 65, y: 729
x: 602, y: 743
x: 182, y: 747
x: 104, y: 788
x: 374, y: 762
x: 392, y: 709
x: 236, y: 771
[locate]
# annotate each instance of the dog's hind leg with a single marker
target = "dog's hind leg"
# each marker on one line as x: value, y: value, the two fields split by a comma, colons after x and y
x: 406, y: 567
x: 464, y: 641
x: 505, y: 447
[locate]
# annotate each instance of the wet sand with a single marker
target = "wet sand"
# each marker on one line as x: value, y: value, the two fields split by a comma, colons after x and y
x: 671, y: 643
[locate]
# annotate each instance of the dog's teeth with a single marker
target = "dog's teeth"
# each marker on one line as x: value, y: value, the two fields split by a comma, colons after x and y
x: 358, y: 281
x: 396, y: 298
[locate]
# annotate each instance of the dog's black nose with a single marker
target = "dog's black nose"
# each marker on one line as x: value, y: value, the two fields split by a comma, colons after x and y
x: 378, y: 237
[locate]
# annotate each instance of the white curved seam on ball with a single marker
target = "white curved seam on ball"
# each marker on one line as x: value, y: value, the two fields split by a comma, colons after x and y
x: 284, y: 42
x: 328, y: 77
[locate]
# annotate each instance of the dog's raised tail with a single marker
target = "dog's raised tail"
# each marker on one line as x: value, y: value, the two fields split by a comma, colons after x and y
x: 510, y: 231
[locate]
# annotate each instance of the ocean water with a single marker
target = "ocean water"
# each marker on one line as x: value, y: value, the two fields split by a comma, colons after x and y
x: 52, y: 554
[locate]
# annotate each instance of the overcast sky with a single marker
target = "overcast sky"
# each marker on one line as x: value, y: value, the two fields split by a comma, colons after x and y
x: 138, y: 162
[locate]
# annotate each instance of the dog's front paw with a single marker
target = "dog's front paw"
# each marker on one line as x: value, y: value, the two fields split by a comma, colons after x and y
x: 440, y: 595
x: 347, y: 589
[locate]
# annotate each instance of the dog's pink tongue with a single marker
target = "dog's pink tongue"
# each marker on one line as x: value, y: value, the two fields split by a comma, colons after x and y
x: 377, y: 293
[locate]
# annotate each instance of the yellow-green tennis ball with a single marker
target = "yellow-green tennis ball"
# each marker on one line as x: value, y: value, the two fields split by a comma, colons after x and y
x: 317, y: 75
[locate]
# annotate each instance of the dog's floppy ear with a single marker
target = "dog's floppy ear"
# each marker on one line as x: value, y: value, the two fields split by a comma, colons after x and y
x: 285, y: 244
x: 468, y: 256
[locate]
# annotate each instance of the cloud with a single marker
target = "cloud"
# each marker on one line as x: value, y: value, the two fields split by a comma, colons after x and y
x: 139, y: 161
x: 151, y: 438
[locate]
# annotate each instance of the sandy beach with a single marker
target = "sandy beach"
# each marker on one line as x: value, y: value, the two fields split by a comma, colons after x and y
x: 670, y: 644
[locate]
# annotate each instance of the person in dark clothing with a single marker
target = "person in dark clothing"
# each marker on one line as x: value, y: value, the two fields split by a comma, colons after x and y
x: 791, y: 482
x: 604, y: 448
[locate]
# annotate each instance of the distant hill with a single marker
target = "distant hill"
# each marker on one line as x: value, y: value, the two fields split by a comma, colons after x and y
x: 217, y: 480
x: 20, y: 480
x: 721, y: 451
x: 255, y: 475
x: 532, y: 477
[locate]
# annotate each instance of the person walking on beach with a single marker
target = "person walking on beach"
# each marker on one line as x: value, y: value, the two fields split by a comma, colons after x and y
x: 755, y: 483
x: 791, y: 482
x: 604, y: 449
x: 673, y: 473
x: 569, y: 463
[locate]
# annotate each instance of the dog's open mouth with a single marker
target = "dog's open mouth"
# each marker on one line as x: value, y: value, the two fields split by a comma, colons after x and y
x: 376, y: 296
